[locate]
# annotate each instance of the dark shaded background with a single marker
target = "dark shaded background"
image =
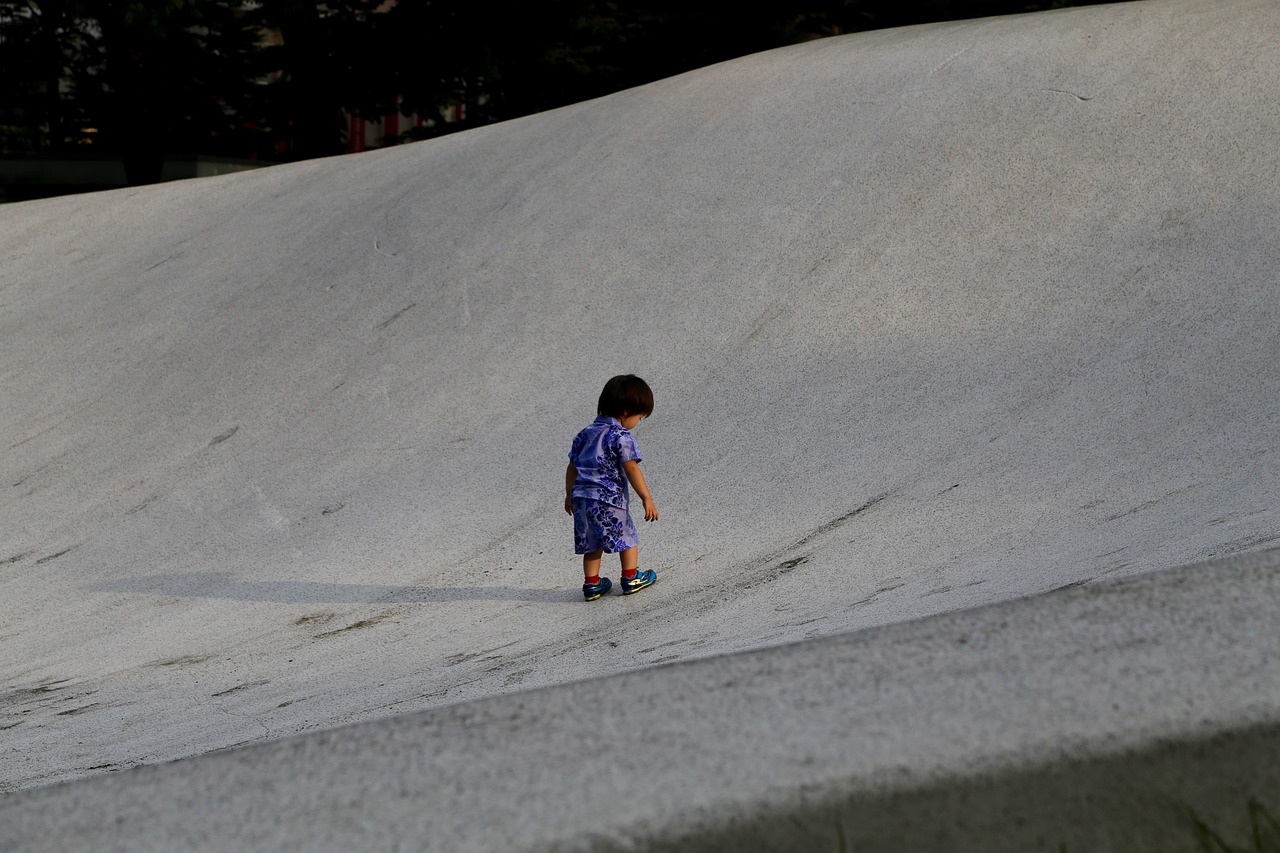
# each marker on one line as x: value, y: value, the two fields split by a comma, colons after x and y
x: 140, y: 80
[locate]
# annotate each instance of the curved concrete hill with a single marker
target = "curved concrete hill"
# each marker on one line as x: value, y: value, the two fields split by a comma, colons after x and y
x: 936, y: 318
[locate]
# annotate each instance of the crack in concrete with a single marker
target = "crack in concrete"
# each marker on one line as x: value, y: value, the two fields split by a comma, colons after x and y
x: 1072, y: 94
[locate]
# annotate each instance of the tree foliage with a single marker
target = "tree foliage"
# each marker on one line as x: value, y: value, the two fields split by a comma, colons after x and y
x: 133, y: 78
x: 140, y: 79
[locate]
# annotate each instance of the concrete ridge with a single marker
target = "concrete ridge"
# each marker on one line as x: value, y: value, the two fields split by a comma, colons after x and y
x: 966, y: 731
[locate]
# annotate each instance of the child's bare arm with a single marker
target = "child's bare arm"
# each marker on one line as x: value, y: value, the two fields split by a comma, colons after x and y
x: 632, y: 469
x: 570, y: 475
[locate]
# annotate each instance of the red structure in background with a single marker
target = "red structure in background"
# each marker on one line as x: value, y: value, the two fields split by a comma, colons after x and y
x: 355, y: 134
x: 391, y: 121
x: 368, y: 134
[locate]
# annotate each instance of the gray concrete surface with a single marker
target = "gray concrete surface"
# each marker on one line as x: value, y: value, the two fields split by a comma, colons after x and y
x: 1092, y: 717
x: 937, y: 318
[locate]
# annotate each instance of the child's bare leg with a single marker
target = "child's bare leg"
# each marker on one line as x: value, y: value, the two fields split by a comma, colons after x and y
x: 591, y: 564
x: 630, y: 559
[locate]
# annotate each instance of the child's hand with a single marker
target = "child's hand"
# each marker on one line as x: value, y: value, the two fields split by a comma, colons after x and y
x: 568, y: 505
x: 650, y: 510
x: 632, y: 469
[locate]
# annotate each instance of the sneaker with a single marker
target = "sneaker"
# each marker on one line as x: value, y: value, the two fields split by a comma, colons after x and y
x: 639, y: 582
x: 592, y: 591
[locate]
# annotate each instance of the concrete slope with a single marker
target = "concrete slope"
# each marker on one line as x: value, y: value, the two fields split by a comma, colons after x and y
x: 936, y: 318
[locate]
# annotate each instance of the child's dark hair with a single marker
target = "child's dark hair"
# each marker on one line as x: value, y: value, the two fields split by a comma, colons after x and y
x: 625, y: 395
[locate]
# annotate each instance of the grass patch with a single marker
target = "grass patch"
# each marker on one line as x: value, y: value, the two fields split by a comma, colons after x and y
x: 1263, y: 828
x: 1264, y: 833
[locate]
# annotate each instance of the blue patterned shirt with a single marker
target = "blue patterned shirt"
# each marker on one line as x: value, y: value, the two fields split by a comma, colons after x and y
x: 598, y: 453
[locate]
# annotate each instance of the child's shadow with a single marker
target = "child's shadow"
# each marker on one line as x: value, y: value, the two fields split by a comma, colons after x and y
x: 226, y: 585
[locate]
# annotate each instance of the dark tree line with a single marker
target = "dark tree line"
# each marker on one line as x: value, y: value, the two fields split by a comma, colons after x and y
x: 139, y: 79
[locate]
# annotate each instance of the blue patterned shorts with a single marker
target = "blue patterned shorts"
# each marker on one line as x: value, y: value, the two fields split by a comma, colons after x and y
x: 599, y: 525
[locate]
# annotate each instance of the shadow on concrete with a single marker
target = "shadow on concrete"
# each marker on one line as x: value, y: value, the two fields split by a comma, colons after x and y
x: 225, y: 585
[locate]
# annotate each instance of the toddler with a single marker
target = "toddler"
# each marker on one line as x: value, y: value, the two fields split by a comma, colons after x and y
x: 604, y: 458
